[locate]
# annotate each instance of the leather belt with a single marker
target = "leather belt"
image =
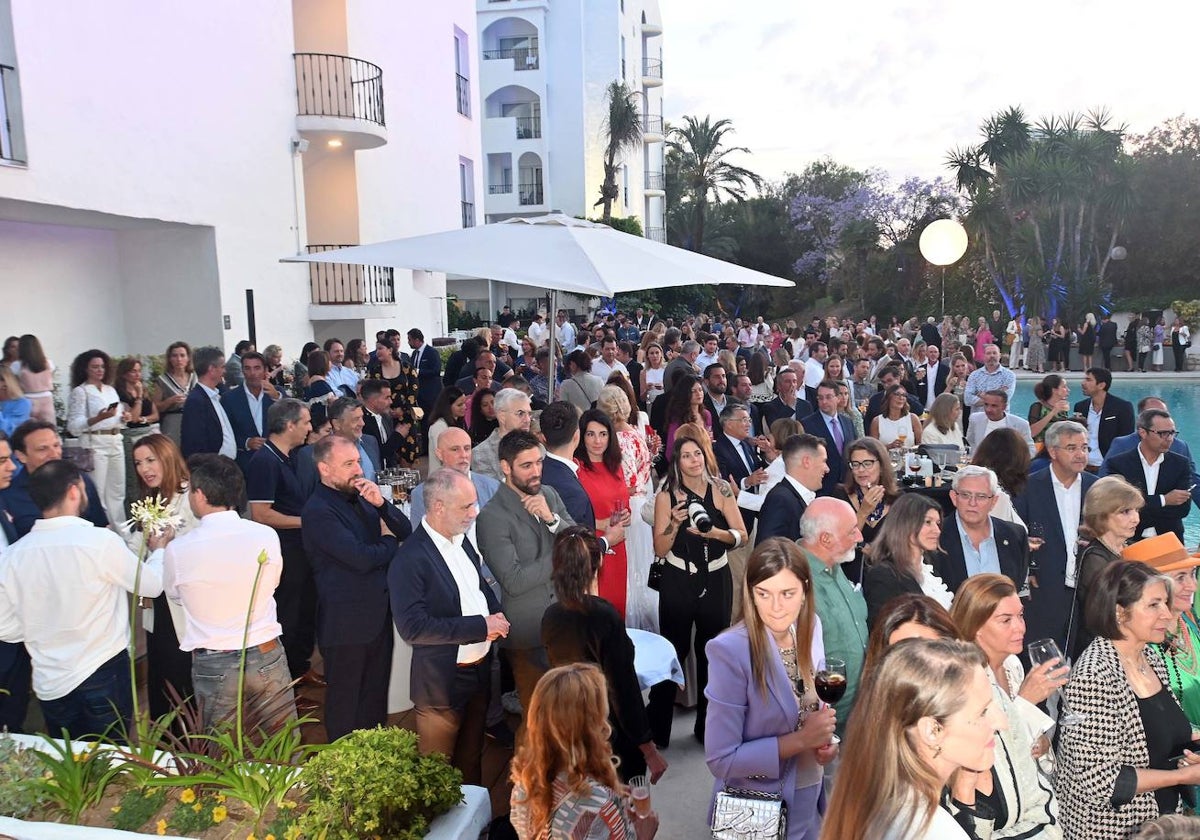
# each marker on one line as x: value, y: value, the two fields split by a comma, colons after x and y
x: 104, y: 431
x: 691, y: 568
x: 265, y: 647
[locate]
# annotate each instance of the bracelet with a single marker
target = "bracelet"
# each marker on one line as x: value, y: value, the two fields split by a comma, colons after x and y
x: 737, y: 537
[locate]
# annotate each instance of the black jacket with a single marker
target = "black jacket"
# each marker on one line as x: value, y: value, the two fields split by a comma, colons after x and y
x: 780, y: 514
x: 1173, y: 474
x: 1012, y: 549
x: 1116, y: 419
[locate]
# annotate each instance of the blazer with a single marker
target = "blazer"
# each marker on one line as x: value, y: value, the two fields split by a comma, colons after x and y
x: 731, y: 464
x: 566, y: 483
x: 1116, y: 419
x: 201, y: 427
x: 931, y: 336
x: 1090, y: 757
x: 1048, y: 612
x: 1012, y: 547
x: 22, y: 512
x: 429, y: 376
x: 1175, y: 473
x: 918, y: 387
x: 777, y: 410
x: 815, y: 424
x: 350, y: 562
x: 780, y: 514
x: 428, y: 615
x: 1130, y: 441
x: 485, y: 488
x: 742, y: 727
x: 518, y: 551
x: 238, y: 410
x: 977, y: 429
x: 387, y: 451
x: 881, y: 583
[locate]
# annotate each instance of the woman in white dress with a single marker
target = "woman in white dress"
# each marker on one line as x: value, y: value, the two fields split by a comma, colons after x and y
x: 95, y: 416
x: 945, y: 422
x: 651, y: 386
x: 896, y: 427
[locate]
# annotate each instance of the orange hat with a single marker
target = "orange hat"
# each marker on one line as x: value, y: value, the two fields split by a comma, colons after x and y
x: 1164, y: 553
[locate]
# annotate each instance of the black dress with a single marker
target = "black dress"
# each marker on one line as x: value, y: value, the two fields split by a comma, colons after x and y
x: 1167, y: 734
x: 597, y: 634
x: 1087, y: 340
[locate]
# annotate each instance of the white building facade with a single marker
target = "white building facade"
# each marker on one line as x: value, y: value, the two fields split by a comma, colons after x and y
x: 160, y: 159
x: 545, y: 69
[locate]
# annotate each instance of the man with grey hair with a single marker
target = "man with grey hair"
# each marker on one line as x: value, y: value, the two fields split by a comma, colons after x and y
x: 513, y: 411
x: 1051, y: 507
x: 684, y: 363
x: 973, y: 541
x: 991, y: 377
x: 829, y: 533
x: 994, y: 415
x: 205, y: 425
x: 444, y: 608
x: 1163, y: 476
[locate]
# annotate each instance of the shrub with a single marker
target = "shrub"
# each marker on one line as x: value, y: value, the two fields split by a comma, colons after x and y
x: 20, y: 792
x: 406, y: 790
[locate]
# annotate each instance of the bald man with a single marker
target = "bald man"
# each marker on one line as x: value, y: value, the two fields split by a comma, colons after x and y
x: 454, y: 450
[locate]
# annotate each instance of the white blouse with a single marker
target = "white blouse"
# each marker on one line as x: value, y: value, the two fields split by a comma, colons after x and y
x: 88, y: 401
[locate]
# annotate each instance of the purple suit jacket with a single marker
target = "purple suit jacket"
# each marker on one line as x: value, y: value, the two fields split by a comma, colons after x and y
x: 742, y: 728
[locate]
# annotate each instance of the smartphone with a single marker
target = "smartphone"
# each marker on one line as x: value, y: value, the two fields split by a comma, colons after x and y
x: 111, y: 406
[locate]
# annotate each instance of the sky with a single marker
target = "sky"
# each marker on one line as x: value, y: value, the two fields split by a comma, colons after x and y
x: 897, y: 85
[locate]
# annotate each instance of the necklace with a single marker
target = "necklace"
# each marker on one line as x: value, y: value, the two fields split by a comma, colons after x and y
x: 1140, y: 665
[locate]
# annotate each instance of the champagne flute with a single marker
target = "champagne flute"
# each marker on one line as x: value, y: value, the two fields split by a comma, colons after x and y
x: 1046, y: 650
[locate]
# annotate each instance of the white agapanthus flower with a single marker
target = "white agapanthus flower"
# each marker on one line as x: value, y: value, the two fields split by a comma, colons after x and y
x: 153, y: 516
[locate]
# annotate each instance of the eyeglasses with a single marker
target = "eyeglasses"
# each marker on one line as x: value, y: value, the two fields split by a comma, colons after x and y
x: 1074, y: 448
x: 974, y: 498
x: 741, y: 419
x: 864, y: 464
x: 1165, y: 434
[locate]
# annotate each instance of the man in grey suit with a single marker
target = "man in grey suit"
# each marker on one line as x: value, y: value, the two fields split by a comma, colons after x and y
x: 516, y: 529
x: 995, y: 416
x: 513, y: 411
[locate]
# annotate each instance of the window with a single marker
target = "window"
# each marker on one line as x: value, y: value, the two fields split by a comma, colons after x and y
x: 462, y: 69
x: 623, y: 76
x: 625, y: 182
x: 466, y: 191
x: 12, y: 135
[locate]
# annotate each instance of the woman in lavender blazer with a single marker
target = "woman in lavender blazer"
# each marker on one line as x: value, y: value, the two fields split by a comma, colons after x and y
x: 765, y: 729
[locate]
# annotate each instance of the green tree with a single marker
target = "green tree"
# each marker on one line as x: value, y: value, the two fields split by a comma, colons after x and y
x: 697, y: 157
x: 623, y: 128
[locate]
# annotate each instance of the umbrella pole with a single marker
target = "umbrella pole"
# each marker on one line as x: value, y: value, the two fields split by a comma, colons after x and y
x: 552, y: 317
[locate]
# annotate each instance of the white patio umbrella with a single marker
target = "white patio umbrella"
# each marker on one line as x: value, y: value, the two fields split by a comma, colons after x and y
x: 554, y: 251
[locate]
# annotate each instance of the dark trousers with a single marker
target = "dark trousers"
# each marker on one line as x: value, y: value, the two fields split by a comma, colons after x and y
x: 357, y: 677
x: 685, y: 601
x: 1106, y: 357
x: 457, y: 732
x: 166, y: 664
x: 102, y: 702
x: 1180, y: 354
x: 15, y: 674
x: 296, y: 603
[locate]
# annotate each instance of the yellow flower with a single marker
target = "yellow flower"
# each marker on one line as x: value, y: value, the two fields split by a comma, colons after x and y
x: 161, y: 827
x: 287, y: 804
x: 269, y: 837
x: 197, y: 807
x: 220, y: 797
x: 116, y: 809
x: 293, y: 833
x: 219, y: 814
x: 251, y: 836
x: 188, y: 796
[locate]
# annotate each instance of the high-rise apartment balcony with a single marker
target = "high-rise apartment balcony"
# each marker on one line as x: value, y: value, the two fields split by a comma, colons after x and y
x: 523, y: 59
x: 655, y: 184
x: 652, y: 128
x: 342, y: 284
x: 339, y: 101
x: 652, y: 72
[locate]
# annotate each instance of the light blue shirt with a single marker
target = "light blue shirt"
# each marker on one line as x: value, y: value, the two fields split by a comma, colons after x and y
x: 364, y: 460
x: 228, y: 445
x: 340, y: 375
x: 1095, y: 456
x: 982, y: 381
x: 983, y: 559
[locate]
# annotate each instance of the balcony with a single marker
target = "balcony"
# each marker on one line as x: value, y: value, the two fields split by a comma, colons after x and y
x: 341, y: 284
x: 500, y: 189
x: 652, y: 128
x: 651, y: 72
x: 340, y: 99
x: 530, y: 194
x: 468, y: 214
x: 522, y: 58
x: 657, y: 234
x: 529, y: 128
x: 655, y: 183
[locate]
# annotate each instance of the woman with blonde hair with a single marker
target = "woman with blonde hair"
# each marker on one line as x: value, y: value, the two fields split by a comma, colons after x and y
x: 172, y: 387
x: 565, y: 784
x: 766, y: 728
x: 650, y: 385
x: 14, y: 407
x: 926, y: 711
x: 945, y: 422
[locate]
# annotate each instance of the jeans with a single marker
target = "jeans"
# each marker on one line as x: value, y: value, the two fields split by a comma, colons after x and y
x: 101, y: 701
x: 215, y: 678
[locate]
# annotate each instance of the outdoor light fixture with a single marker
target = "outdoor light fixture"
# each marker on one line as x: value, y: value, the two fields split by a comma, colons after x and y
x: 1118, y: 253
x: 943, y: 243
x: 335, y: 143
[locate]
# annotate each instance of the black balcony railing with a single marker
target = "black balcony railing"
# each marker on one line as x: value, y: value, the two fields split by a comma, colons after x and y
x: 468, y: 214
x: 652, y: 68
x: 531, y: 194
x: 529, y: 128
x: 499, y: 189
x: 652, y: 124
x: 657, y: 234
x: 463, y: 85
x: 338, y: 86
x: 348, y: 283
x: 7, y: 75
x: 655, y: 181
x: 523, y: 58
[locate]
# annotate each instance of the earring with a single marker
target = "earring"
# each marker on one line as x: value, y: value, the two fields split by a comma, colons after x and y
x: 937, y: 750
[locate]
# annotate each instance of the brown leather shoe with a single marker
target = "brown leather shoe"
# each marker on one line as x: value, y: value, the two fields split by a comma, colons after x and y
x: 313, y: 678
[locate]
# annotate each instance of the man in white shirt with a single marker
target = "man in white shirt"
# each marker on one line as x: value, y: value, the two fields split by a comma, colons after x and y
x: 538, y: 332
x: 211, y: 572
x: 341, y: 378
x: 64, y: 592
x: 814, y: 368
x: 709, y: 355
x: 607, y: 363
x: 450, y: 627
x: 995, y: 416
x: 565, y: 332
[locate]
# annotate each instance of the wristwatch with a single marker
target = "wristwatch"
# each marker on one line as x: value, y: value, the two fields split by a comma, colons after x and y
x: 553, y: 523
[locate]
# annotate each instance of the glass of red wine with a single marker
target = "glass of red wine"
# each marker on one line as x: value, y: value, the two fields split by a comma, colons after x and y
x: 831, y: 680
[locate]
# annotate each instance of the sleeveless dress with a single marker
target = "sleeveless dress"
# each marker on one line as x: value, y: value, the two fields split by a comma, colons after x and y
x: 171, y: 422
x: 890, y: 430
x: 404, y: 399
x: 604, y: 490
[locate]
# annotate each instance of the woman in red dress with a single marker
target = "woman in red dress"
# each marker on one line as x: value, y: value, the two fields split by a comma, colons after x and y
x: 600, y: 473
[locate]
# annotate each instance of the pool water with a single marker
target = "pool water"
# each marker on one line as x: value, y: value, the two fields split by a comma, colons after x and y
x: 1182, y: 398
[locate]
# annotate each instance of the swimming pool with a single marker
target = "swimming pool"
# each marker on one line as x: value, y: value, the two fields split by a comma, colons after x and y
x: 1183, y: 399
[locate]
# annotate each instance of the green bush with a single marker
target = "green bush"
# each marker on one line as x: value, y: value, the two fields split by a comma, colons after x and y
x: 405, y: 791
x: 1189, y: 311
x: 20, y: 772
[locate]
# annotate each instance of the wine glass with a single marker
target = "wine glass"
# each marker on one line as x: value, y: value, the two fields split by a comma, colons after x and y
x: 902, y: 437
x: 830, y: 680
x: 1046, y: 650
x: 1037, y: 535
x: 620, y: 511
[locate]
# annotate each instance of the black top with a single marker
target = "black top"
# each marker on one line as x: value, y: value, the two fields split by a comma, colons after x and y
x: 147, y: 408
x: 271, y: 477
x: 1167, y: 733
x: 690, y: 547
x: 882, y: 581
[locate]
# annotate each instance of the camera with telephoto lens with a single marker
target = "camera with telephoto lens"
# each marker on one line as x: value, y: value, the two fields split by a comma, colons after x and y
x: 699, y: 517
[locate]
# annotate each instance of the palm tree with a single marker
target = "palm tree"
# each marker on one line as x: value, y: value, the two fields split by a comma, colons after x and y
x: 704, y: 170
x: 623, y: 125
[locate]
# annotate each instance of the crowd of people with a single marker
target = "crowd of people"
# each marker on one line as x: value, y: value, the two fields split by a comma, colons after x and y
x: 761, y: 498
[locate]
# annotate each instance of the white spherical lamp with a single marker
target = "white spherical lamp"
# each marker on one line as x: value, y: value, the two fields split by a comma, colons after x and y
x: 1118, y: 253
x: 943, y: 242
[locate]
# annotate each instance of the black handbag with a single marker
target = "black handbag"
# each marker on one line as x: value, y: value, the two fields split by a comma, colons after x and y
x: 655, y: 575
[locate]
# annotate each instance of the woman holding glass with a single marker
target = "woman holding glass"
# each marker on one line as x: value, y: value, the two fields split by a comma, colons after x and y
x: 870, y: 488
x: 599, y: 458
x: 895, y: 426
x: 898, y: 560
x: 766, y: 727
x: 1129, y: 758
x: 141, y: 416
x: 95, y: 416
x: 988, y: 612
x: 1052, y: 404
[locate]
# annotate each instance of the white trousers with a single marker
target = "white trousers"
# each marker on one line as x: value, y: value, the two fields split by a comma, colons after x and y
x: 108, y: 453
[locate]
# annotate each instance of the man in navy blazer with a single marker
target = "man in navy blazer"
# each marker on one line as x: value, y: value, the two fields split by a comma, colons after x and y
x: 934, y: 372
x: 991, y: 544
x: 34, y: 443
x: 833, y: 428
x: 1049, y: 611
x: 205, y: 424
x: 350, y: 535
x: 1178, y: 445
x: 444, y: 608
x: 428, y: 363
x: 804, y: 468
x: 738, y: 458
x: 559, y: 424
x: 1170, y: 499
x: 788, y: 404
x: 15, y: 667
x: 1111, y: 415
x: 247, y: 406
